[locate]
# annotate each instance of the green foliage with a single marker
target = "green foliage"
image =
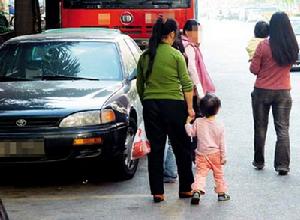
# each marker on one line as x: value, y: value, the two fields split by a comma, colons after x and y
x: 59, y: 61
x: 3, y: 23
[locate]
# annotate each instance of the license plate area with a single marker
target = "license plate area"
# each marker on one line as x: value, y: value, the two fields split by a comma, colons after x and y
x: 22, y: 148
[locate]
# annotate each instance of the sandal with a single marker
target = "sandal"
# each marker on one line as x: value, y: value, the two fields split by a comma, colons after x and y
x: 158, y: 198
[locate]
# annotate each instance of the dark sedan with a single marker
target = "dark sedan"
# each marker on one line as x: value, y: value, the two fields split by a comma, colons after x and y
x: 69, y: 94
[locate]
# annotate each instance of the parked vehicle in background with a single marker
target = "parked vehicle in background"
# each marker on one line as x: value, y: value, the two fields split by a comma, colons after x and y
x: 254, y: 14
x: 69, y: 94
x: 295, y: 21
x: 132, y: 17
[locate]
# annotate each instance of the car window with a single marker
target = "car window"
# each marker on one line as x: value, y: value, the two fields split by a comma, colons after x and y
x: 10, y: 61
x: 134, y: 48
x: 95, y: 60
x: 128, y: 58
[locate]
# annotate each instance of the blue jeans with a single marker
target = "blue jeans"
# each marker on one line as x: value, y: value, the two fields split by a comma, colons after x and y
x: 170, y: 168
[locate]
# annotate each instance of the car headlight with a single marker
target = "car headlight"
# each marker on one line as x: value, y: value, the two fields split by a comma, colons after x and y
x: 88, y: 118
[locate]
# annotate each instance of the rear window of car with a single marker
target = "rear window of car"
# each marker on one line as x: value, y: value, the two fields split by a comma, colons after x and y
x: 86, y: 59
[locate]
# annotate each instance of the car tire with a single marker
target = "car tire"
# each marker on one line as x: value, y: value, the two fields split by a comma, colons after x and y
x: 125, y: 167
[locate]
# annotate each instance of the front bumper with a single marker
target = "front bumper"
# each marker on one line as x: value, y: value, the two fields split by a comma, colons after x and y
x: 296, y: 66
x: 59, y: 143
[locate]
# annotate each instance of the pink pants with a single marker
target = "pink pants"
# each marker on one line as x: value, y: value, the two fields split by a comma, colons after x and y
x: 205, y: 163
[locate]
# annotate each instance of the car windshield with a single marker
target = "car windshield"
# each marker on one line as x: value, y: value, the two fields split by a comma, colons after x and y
x: 296, y: 26
x: 127, y: 3
x: 69, y: 60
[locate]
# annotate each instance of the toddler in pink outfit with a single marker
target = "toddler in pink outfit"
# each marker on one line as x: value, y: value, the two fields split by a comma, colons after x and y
x: 210, y: 152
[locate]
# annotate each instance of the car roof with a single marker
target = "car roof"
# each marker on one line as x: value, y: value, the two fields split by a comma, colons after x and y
x: 72, y: 34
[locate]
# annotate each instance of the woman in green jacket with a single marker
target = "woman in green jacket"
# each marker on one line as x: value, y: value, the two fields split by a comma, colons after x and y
x: 166, y: 92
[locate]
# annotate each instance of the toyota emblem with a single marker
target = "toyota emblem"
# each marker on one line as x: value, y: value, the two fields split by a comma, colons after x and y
x: 21, y: 123
x: 126, y: 18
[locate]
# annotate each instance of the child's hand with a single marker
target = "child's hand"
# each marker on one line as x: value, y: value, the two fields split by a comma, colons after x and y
x: 191, y: 113
x: 189, y: 119
x: 223, y: 161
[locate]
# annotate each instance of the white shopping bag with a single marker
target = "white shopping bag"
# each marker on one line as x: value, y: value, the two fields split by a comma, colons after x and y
x: 141, y: 145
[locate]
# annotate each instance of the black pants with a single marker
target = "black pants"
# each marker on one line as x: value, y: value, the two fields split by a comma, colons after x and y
x: 162, y: 118
x: 281, y: 103
x: 198, y: 114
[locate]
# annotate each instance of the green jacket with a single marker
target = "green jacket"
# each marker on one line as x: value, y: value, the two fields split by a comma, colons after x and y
x: 169, y: 77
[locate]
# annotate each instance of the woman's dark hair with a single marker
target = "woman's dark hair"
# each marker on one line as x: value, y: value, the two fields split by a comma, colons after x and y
x: 161, y: 29
x: 261, y: 29
x: 283, y: 41
x: 190, y: 25
x: 209, y: 105
x: 178, y: 45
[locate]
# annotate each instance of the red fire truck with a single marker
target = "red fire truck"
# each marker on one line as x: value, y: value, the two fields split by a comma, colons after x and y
x: 132, y: 17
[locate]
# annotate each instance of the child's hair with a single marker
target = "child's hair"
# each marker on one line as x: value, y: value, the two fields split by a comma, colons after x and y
x: 209, y: 105
x: 190, y: 25
x: 261, y: 29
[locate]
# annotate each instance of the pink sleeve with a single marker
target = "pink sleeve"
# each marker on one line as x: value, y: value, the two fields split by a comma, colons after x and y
x: 222, y: 144
x: 190, y: 52
x: 256, y: 60
x: 191, y: 129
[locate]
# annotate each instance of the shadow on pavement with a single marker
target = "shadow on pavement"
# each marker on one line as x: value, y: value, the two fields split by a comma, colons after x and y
x: 54, y: 174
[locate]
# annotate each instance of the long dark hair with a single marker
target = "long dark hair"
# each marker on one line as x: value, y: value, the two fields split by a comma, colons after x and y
x: 178, y: 43
x: 161, y: 29
x: 190, y: 25
x: 283, y: 41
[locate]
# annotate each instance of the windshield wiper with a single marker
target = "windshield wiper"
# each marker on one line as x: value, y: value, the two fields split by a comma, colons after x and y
x: 111, y: 3
x: 145, y: 2
x: 12, y: 79
x: 169, y: 3
x: 62, y: 77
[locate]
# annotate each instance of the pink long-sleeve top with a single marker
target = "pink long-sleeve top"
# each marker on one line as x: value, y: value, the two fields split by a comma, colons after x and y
x: 197, y: 68
x: 210, y: 136
x: 269, y: 74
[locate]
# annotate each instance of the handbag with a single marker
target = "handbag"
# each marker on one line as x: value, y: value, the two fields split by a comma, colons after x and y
x: 141, y: 145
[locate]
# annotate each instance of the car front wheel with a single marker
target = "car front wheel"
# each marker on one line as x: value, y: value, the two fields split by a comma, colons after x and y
x: 125, y: 166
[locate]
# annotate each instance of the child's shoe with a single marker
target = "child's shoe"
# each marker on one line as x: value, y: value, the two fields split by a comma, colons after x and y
x: 223, y: 197
x: 196, y: 198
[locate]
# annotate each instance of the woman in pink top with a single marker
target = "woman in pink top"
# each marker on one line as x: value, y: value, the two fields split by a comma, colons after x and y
x: 271, y: 64
x: 196, y: 66
x: 210, y: 152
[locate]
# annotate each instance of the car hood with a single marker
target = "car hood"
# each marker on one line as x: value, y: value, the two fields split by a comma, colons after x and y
x: 55, y: 96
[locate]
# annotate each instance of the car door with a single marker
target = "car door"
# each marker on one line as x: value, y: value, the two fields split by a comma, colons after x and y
x: 130, y: 56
